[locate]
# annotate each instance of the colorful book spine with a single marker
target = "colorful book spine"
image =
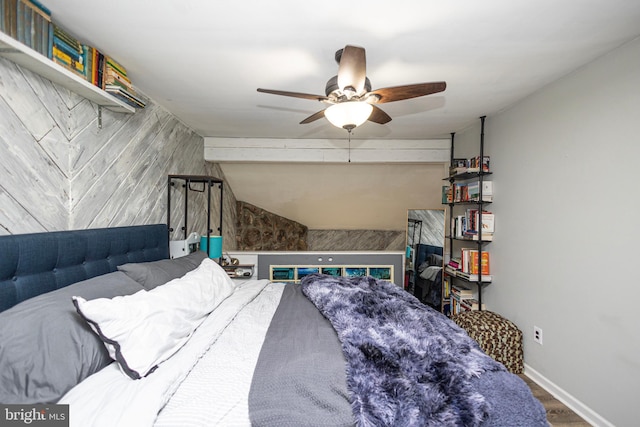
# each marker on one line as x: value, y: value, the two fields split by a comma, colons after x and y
x: 67, y: 48
x: 119, y: 68
x: 67, y: 38
x: 63, y: 59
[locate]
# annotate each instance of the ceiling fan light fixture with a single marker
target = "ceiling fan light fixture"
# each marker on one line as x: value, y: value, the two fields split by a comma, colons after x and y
x: 348, y: 115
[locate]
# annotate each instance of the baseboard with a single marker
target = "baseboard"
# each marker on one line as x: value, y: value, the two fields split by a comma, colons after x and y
x: 574, y: 404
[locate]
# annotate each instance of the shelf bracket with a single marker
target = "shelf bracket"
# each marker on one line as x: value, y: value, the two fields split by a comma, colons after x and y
x: 99, y: 117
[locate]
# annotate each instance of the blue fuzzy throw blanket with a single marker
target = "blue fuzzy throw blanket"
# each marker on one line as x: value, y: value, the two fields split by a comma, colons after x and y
x: 407, y: 365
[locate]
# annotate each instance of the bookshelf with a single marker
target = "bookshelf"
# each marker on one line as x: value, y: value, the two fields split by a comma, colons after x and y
x: 28, y: 58
x: 470, y: 192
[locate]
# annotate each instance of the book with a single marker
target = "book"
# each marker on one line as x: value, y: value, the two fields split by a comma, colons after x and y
x: 487, y: 191
x: 41, y: 7
x: 473, y: 277
x: 11, y: 19
x: 459, y: 226
x: 115, y: 65
x: 71, y: 58
x: 67, y: 38
x: 446, y: 287
x: 65, y: 47
x: 487, y: 222
x: 38, y: 8
x: 110, y: 81
x: 100, y: 70
x: 474, y: 236
x: 461, y: 292
x: 446, y: 194
x: 125, y: 96
x: 471, y: 304
x: 116, y: 75
x: 485, y: 164
x: 88, y: 62
x: 473, y: 190
x: 66, y: 61
x: 465, y: 257
x: 111, y: 77
x: 483, y: 262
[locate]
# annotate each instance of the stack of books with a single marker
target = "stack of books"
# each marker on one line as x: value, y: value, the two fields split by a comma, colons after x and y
x: 470, y: 264
x: 466, y: 267
x: 472, y: 165
x: 29, y: 22
x: 462, y: 299
x: 117, y: 83
x: 68, y: 51
x: 467, y: 192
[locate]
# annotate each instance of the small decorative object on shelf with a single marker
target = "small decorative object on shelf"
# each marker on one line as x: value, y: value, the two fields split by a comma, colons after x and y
x: 475, y: 225
x: 239, y: 271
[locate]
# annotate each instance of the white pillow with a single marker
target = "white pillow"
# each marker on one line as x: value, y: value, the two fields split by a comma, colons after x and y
x: 146, y: 328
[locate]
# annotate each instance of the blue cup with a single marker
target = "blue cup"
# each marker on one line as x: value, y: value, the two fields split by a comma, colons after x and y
x: 215, y: 243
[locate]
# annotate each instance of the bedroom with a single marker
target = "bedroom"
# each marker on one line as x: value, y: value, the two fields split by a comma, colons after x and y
x: 562, y: 159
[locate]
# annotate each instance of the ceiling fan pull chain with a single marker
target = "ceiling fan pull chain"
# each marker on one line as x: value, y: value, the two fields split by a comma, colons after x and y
x: 349, y: 145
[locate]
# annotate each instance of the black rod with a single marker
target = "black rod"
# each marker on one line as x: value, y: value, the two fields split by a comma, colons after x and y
x: 169, y: 183
x: 453, y: 135
x: 480, y: 215
x: 186, y: 210
x: 209, y: 218
x: 221, y: 216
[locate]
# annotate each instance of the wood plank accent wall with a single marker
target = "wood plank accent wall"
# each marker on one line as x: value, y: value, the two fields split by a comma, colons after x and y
x: 59, y: 170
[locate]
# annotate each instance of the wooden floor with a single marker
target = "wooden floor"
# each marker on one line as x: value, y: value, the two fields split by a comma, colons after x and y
x: 558, y: 414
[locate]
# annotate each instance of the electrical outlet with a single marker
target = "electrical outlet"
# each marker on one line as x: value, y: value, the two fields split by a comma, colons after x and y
x: 537, y: 335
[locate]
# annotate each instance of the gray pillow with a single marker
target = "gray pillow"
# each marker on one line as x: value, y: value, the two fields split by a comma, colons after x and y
x: 46, y: 348
x: 156, y: 273
x: 435, y: 259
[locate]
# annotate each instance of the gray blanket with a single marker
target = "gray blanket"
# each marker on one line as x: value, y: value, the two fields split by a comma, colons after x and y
x: 300, y: 377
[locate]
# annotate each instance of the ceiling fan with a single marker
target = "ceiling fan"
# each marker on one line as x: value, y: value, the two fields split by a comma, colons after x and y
x: 352, y: 102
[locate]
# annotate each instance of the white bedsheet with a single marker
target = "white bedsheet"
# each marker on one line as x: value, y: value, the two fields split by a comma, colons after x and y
x: 109, y: 398
x: 216, y: 391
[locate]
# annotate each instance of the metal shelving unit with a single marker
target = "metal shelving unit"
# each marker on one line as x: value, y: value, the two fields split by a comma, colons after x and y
x: 186, y: 181
x: 480, y: 203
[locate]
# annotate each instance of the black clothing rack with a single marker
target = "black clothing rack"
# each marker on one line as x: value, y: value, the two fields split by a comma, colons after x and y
x: 187, y: 180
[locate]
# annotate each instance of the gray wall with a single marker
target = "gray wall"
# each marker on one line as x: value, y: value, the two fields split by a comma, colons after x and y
x: 59, y: 171
x: 563, y: 255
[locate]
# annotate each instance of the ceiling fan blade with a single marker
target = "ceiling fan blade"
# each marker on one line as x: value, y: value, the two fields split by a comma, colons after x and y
x: 294, y: 94
x: 352, y: 70
x: 313, y: 117
x: 398, y: 93
x: 379, y: 116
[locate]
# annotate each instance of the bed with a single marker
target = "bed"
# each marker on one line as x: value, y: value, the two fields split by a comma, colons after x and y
x: 102, y: 321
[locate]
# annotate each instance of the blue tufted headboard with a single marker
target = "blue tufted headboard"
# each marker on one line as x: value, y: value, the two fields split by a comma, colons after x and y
x: 32, y: 264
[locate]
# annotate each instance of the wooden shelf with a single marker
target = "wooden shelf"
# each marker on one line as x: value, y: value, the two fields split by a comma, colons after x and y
x: 28, y: 58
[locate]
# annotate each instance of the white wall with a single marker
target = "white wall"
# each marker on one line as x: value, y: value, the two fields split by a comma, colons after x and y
x: 59, y: 170
x: 564, y: 252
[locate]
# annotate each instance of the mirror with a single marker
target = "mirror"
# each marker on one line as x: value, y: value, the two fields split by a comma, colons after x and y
x: 424, y: 255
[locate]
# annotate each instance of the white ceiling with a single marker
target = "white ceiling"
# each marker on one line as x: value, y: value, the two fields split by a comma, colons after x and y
x: 203, y: 60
